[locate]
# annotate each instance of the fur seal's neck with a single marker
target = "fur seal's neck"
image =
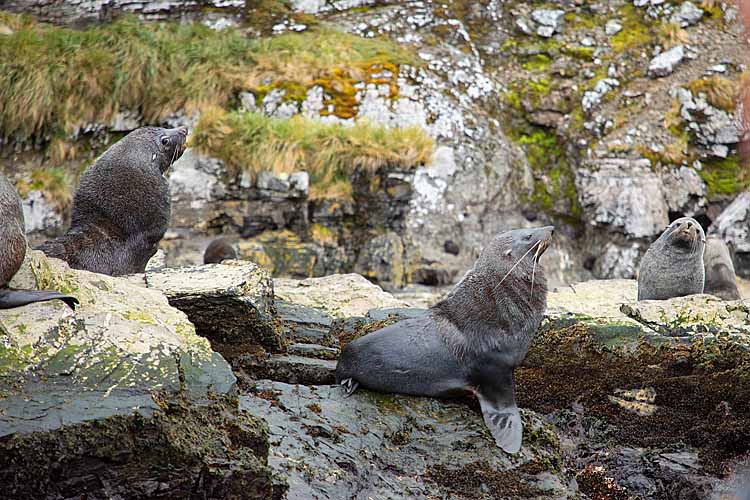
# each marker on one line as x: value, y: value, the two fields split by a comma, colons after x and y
x: 485, y: 316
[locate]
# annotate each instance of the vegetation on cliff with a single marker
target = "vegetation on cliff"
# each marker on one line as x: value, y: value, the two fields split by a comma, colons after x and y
x: 329, y: 152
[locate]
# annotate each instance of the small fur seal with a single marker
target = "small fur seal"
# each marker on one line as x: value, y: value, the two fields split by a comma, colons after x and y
x: 13, y: 244
x: 121, y: 209
x: 720, y: 277
x: 673, y: 264
x: 470, y: 342
x: 217, y: 251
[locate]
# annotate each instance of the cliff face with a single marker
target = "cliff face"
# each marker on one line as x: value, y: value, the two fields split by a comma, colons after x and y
x: 608, y: 119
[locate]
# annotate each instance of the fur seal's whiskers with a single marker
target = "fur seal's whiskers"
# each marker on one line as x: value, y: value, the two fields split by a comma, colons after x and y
x: 516, y: 264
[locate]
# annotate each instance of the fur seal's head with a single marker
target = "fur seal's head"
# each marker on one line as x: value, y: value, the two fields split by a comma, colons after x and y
x: 165, y: 145
x: 218, y: 251
x: 684, y: 234
x: 516, y: 252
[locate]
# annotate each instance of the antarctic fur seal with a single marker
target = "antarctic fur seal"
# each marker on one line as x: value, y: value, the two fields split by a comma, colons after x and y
x: 13, y: 244
x: 217, y: 251
x: 121, y: 209
x: 673, y: 264
x: 470, y: 342
x: 720, y: 277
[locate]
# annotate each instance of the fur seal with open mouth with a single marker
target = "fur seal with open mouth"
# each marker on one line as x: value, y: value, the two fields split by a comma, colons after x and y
x: 121, y: 209
x: 470, y: 342
x: 13, y: 245
x: 720, y: 278
x: 673, y: 264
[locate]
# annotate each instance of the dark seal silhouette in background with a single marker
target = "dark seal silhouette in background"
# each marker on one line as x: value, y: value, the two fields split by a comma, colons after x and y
x: 673, y: 264
x: 13, y: 251
x: 720, y: 278
x: 218, y: 251
x: 121, y: 209
x: 470, y: 342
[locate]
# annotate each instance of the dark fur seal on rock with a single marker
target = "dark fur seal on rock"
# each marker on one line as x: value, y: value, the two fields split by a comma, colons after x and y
x: 673, y: 265
x: 720, y: 277
x: 121, y: 208
x: 13, y: 245
x: 218, y: 251
x: 468, y: 343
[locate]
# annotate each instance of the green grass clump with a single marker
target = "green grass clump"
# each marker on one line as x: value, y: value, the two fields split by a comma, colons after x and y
x: 54, y: 79
x: 329, y: 153
x: 636, y: 31
x: 537, y: 62
x: 724, y: 176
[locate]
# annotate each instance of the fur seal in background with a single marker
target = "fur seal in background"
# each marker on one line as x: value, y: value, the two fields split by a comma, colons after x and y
x: 470, y: 342
x: 673, y: 265
x: 720, y: 277
x: 218, y: 251
x: 13, y: 244
x: 121, y: 209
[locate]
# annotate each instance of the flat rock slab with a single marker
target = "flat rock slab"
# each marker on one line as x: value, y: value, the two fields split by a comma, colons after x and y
x: 313, y: 351
x: 339, y: 295
x: 290, y: 369
x: 372, y: 445
x: 304, y: 324
x: 231, y: 304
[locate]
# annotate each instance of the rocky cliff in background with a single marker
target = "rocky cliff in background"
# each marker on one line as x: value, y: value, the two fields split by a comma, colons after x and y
x: 608, y: 119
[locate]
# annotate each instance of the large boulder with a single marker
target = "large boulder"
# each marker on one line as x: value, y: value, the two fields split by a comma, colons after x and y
x: 231, y: 304
x: 120, y: 398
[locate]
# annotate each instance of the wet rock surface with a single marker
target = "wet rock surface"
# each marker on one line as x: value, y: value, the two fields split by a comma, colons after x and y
x: 120, y: 398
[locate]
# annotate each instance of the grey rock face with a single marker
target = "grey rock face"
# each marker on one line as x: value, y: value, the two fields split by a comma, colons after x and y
x: 733, y: 226
x: 624, y: 195
x: 687, y: 15
x: 231, y: 304
x: 549, y: 20
x: 613, y: 27
x: 666, y: 62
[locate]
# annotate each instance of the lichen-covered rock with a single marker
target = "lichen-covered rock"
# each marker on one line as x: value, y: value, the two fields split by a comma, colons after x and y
x: 231, y: 304
x: 122, y: 390
x: 339, y: 295
x: 391, y: 447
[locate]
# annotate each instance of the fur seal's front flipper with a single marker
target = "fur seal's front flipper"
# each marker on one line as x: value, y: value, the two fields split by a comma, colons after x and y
x: 496, y: 394
x: 10, y: 297
x: 504, y: 423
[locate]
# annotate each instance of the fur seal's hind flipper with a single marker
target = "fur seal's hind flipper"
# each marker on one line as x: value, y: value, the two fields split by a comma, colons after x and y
x: 350, y: 385
x: 10, y: 297
x: 504, y: 424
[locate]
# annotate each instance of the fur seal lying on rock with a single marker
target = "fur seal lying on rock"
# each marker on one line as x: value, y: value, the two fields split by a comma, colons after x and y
x: 673, y: 264
x: 470, y: 342
x: 13, y: 245
x: 121, y: 209
x: 720, y: 277
x: 217, y: 251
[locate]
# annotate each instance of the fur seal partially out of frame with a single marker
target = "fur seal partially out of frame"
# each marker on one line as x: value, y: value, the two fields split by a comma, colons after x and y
x: 673, y: 264
x: 13, y: 245
x: 121, y: 209
x: 470, y: 342
x: 720, y: 278
x: 217, y: 251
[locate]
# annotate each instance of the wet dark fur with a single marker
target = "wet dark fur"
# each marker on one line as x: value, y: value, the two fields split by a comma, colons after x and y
x: 469, y: 342
x: 217, y: 251
x: 720, y: 278
x: 673, y: 264
x: 121, y: 209
x: 13, y: 245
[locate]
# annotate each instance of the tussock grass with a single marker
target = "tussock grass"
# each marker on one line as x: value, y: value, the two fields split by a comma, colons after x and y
x: 55, y: 183
x: 329, y: 153
x: 53, y: 79
x: 720, y: 92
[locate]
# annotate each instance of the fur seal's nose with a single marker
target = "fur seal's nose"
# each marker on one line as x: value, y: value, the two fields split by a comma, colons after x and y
x: 182, y: 131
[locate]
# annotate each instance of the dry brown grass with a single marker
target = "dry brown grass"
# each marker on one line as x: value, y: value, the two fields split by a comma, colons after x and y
x: 329, y: 153
x: 720, y: 92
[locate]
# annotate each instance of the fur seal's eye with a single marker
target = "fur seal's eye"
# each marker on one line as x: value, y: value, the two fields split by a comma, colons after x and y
x: 509, y: 251
x: 164, y: 140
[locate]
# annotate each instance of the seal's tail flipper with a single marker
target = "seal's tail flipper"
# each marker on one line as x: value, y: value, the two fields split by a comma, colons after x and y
x: 350, y: 385
x: 504, y: 424
x: 10, y: 298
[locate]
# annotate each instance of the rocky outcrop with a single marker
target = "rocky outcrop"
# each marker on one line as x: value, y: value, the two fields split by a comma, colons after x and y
x: 119, y: 398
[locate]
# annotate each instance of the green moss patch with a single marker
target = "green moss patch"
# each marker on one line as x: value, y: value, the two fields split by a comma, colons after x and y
x: 330, y: 153
x: 636, y: 31
x: 724, y: 176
